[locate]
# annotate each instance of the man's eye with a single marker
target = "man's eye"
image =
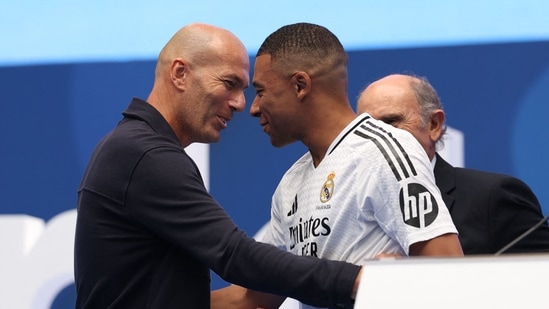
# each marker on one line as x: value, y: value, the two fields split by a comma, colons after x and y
x: 390, y: 120
x: 229, y: 84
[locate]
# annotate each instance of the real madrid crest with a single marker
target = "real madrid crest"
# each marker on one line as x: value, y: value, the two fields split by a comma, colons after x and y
x: 327, y: 188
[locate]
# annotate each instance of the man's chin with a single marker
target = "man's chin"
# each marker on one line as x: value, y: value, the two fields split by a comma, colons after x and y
x: 278, y: 143
x: 214, y: 139
x: 210, y: 138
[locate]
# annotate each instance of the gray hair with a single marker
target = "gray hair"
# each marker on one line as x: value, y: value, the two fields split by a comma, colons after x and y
x: 428, y: 100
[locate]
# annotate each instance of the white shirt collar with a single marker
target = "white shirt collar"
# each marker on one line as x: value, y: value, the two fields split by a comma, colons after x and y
x: 434, y: 161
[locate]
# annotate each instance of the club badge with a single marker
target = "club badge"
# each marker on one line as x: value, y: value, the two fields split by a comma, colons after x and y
x: 328, y: 188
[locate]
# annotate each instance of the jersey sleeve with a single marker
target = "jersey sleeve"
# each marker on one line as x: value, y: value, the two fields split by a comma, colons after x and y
x: 406, y: 202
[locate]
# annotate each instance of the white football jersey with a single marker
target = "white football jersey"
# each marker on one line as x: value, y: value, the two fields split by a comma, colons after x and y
x: 374, y: 192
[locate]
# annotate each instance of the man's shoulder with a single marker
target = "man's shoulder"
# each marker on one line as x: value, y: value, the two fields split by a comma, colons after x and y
x: 483, y: 181
x: 470, y: 174
x: 480, y: 176
x: 137, y: 135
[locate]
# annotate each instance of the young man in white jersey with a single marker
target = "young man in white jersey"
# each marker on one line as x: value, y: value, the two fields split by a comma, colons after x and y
x: 364, y: 188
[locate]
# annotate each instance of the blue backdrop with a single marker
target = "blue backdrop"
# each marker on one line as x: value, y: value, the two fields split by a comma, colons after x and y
x: 53, y: 115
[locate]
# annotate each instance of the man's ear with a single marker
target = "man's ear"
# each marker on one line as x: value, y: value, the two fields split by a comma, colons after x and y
x: 436, y: 125
x: 302, y: 84
x: 178, y: 72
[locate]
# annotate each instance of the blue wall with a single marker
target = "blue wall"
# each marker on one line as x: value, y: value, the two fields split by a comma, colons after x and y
x: 497, y: 95
x: 52, y: 116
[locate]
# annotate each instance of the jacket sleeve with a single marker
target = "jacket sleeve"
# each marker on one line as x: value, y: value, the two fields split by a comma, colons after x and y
x: 516, y: 209
x: 175, y: 205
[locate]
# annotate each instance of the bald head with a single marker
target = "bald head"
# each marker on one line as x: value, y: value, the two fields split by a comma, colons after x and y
x: 406, y: 102
x: 199, y: 44
x: 391, y: 93
x: 200, y: 77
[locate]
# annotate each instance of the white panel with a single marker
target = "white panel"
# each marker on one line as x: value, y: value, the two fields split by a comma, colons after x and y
x: 454, y: 147
x: 200, y: 153
x: 503, y: 282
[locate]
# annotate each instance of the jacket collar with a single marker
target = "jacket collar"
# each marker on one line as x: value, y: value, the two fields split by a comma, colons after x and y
x: 142, y: 110
x: 445, y: 180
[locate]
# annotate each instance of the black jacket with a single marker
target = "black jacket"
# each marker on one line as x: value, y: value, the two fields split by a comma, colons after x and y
x: 490, y: 210
x: 148, y: 232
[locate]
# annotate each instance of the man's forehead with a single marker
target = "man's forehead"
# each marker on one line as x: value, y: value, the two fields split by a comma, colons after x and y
x: 263, y: 62
x: 390, y: 94
x: 380, y: 109
x: 262, y: 68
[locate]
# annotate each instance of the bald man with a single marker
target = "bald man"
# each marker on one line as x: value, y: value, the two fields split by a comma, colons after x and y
x: 148, y: 232
x: 489, y: 210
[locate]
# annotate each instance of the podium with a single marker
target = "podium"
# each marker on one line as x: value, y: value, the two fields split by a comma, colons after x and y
x: 503, y: 282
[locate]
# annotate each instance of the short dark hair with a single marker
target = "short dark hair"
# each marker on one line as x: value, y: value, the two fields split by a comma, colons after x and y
x: 304, y: 41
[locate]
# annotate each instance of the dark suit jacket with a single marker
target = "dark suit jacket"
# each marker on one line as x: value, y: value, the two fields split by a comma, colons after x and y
x: 491, y: 210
